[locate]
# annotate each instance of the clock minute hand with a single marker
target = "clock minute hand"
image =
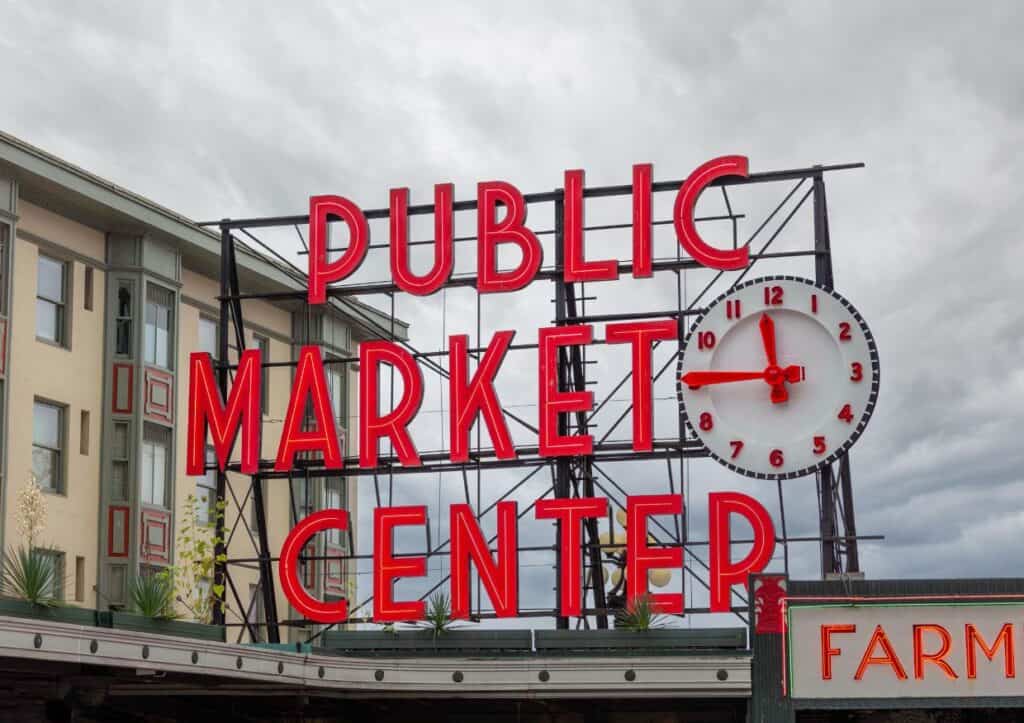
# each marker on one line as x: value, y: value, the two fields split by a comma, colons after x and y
x: 768, y: 338
x: 696, y: 379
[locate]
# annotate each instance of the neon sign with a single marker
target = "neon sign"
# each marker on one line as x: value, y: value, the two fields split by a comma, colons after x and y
x: 501, y: 221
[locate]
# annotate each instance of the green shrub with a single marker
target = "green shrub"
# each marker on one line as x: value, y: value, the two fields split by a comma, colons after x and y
x: 29, y: 575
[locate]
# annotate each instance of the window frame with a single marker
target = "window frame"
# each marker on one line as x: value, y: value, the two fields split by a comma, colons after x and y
x: 204, y: 319
x: 170, y: 308
x: 58, y: 469
x: 62, y: 322
x: 168, y: 468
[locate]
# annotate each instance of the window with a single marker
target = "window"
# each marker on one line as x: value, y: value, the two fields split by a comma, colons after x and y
x: 159, y: 302
x: 123, y: 321
x: 83, y: 433
x: 87, y: 302
x: 48, y: 446
x: 119, y: 463
x: 79, y: 579
x: 252, y: 505
x: 208, y: 336
x: 255, y: 612
x: 206, y: 489
x: 50, y: 289
x: 336, y: 389
x: 334, y: 497
x: 156, y: 462
x: 263, y: 344
x: 56, y: 562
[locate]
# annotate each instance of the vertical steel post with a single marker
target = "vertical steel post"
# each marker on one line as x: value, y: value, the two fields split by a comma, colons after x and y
x: 220, y: 551
x: 837, y: 525
x: 562, y: 471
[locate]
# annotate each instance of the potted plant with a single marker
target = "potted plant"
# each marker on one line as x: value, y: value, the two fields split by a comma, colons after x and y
x: 30, y: 581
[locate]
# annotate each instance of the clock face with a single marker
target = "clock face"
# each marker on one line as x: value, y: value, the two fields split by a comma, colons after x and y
x: 778, y: 377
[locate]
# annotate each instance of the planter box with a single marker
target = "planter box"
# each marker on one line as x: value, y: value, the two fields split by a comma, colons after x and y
x: 663, y: 641
x: 62, y: 614
x: 142, y: 624
x: 424, y: 642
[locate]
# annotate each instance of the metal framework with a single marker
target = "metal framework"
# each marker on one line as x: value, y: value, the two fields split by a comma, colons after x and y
x: 570, y: 477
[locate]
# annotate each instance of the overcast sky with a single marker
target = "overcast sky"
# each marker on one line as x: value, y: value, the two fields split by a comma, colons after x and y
x: 217, y: 111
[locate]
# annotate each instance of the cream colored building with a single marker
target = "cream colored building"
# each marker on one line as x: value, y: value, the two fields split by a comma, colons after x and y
x: 103, y: 296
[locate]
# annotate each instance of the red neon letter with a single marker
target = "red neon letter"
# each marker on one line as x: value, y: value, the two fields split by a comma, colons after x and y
x: 576, y: 268
x: 725, y: 573
x: 553, y: 401
x: 512, y: 229
x: 641, y: 335
x: 879, y: 638
x: 640, y: 558
x: 372, y: 426
x: 206, y: 409
x: 686, y: 201
x: 309, y: 382
x: 302, y: 601
x: 500, y: 578
x: 439, y: 273
x: 386, y: 567
x: 1004, y: 638
x: 571, y: 513
x: 322, y: 271
x: 938, y: 658
x: 642, y: 255
x: 468, y: 400
x: 827, y: 651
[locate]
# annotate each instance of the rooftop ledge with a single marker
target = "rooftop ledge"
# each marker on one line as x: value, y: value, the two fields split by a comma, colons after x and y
x: 155, y: 663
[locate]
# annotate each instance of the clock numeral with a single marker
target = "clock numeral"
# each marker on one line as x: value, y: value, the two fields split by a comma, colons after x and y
x: 856, y: 371
x: 775, y: 458
x: 737, y: 447
x: 733, y: 309
x: 819, y: 445
x: 772, y: 295
x: 706, y: 340
x: 844, y: 331
x: 845, y: 414
x: 814, y: 303
x: 706, y: 422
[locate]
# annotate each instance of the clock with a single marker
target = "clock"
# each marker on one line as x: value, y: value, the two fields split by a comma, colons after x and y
x: 778, y: 377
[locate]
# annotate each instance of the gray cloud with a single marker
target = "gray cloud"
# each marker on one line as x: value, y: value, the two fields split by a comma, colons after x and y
x: 214, y: 112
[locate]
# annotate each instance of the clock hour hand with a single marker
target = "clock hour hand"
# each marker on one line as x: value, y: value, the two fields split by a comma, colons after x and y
x: 767, y: 325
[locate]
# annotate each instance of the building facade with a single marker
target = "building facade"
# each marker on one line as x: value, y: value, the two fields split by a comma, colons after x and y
x: 103, y: 297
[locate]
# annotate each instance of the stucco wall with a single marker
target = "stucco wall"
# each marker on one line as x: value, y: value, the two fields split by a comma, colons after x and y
x: 71, y: 377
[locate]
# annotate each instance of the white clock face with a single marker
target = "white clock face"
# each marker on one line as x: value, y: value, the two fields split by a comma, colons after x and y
x: 778, y: 377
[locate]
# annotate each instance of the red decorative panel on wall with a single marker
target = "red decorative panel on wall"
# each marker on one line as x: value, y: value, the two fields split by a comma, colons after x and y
x: 122, y: 389
x: 117, y: 531
x: 333, y: 579
x: 159, y: 390
x: 156, y: 529
x: 769, y: 604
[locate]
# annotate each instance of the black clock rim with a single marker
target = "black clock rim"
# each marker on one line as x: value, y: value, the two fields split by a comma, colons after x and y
x: 869, y: 408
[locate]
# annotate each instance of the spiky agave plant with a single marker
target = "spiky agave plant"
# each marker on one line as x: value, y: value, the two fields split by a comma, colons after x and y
x: 438, y: 618
x: 153, y: 596
x: 29, y: 574
x: 642, y: 614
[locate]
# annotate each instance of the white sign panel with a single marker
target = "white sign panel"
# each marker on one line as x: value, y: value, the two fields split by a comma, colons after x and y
x: 905, y: 650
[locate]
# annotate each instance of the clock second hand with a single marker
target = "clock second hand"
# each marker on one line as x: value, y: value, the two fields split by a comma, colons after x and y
x: 697, y: 379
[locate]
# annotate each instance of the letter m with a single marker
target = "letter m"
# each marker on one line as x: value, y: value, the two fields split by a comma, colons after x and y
x: 207, y: 411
